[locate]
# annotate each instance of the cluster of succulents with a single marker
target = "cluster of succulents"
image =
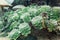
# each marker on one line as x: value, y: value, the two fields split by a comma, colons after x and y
x: 17, y: 22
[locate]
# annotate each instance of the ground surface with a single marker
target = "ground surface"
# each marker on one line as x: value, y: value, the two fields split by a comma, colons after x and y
x: 39, y: 38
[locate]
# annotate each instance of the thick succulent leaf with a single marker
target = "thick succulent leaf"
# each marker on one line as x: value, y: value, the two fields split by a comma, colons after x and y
x: 56, y: 9
x: 56, y: 12
x: 18, y: 7
x: 13, y: 17
x: 26, y: 17
x: 52, y: 25
x: 32, y: 11
x: 14, y: 25
x: 24, y: 28
x: 37, y: 21
x: 14, y: 34
x: 45, y: 8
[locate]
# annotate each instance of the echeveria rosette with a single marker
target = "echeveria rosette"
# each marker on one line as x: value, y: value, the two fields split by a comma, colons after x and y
x: 11, y: 26
x: 13, y: 17
x: 7, y: 14
x: 25, y: 17
x: 14, y: 34
x: 25, y: 29
x: 44, y: 8
x: 37, y: 21
x: 14, y: 25
x: 33, y: 12
x: 52, y: 25
x: 56, y: 12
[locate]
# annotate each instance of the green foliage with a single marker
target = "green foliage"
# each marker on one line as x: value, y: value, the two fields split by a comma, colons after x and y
x: 56, y: 12
x: 40, y: 17
x: 37, y: 21
x: 52, y: 25
x: 13, y: 17
x: 14, y: 34
x: 25, y: 29
x: 26, y: 17
x: 44, y: 9
x: 14, y: 25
